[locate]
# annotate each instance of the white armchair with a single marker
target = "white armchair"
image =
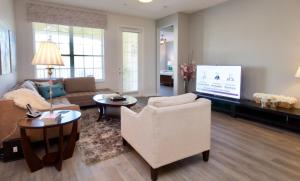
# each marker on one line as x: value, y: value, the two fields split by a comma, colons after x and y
x: 162, y: 135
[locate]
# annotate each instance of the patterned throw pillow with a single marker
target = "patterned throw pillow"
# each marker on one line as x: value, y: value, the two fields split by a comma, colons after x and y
x: 57, y: 90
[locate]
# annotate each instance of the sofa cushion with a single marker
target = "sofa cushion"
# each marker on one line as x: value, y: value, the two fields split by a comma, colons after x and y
x: 172, y: 101
x: 57, y: 90
x: 46, y: 81
x: 28, y: 84
x: 81, y: 98
x: 60, y: 101
x: 82, y: 84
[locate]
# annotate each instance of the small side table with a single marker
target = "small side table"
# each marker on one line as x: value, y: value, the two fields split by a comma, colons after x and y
x: 50, y: 158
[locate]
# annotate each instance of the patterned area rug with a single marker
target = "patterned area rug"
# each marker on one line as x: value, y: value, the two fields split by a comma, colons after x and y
x: 101, y: 140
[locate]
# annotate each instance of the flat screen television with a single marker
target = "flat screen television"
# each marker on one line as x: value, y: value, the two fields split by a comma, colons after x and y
x: 222, y: 81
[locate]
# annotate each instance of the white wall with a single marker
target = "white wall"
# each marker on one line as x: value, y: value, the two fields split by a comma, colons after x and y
x: 170, y: 53
x: 261, y: 35
x: 167, y: 54
x: 7, y: 20
x: 163, y: 56
x: 113, y: 49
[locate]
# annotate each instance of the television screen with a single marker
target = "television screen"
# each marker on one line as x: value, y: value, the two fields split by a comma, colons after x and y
x: 219, y: 80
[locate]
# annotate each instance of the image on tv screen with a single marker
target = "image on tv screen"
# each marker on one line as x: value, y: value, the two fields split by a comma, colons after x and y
x: 219, y: 80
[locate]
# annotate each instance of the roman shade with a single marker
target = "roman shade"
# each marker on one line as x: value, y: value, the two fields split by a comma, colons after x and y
x: 65, y: 15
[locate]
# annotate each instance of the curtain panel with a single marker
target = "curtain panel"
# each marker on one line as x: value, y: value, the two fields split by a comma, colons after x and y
x: 65, y: 15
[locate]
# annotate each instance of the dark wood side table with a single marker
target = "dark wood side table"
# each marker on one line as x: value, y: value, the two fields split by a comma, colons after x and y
x: 50, y: 158
x: 103, y: 102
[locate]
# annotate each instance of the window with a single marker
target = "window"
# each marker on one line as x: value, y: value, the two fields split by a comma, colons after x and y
x: 82, y: 50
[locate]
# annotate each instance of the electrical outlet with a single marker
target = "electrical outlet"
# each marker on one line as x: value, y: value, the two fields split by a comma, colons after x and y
x: 15, y: 149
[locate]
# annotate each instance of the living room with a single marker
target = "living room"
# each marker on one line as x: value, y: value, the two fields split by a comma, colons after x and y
x: 105, y: 86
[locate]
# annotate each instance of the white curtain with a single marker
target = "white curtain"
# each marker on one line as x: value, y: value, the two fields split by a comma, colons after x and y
x: 65, y: 15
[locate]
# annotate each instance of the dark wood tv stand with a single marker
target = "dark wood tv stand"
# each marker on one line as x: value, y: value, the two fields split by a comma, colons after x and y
x: 284, y: 118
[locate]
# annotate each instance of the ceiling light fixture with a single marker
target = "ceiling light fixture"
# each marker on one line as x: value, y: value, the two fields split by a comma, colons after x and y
x: 163, y: 40
x: 145, y: 1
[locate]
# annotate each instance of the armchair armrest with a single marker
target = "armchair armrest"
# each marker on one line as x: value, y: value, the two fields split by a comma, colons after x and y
x: 128, y: 112
x: 137, y: 130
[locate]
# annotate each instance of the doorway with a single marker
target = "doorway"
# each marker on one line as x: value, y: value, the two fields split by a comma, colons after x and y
x: 167, y: 61
x: 130, y: 61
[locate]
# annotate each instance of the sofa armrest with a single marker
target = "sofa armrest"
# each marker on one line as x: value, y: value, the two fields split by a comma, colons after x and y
x: 67, y: 107
x: 10, y: 114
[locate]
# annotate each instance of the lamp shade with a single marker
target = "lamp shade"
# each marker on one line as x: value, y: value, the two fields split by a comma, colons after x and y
x: 48, y: 54
x: 297, y: 75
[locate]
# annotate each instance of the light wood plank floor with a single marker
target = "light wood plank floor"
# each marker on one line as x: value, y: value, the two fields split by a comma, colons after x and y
x: 241, y: 150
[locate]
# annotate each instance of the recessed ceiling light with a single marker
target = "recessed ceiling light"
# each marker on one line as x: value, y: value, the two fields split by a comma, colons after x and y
x: 145, y: 1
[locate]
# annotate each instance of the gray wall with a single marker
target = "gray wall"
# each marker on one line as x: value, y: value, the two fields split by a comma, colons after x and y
x: 7, y: 20
x: 261, y: 35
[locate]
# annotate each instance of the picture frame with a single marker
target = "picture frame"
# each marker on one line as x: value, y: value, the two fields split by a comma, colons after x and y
x: 5, y: 51
x: 13, y: 53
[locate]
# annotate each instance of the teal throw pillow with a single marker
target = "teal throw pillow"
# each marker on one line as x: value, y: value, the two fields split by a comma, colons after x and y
x: 57, y: 90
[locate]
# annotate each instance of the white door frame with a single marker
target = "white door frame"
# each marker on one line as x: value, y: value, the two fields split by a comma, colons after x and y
x: 140, y: 59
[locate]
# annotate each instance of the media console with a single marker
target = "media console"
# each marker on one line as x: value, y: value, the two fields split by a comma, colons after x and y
x: 284, y: 118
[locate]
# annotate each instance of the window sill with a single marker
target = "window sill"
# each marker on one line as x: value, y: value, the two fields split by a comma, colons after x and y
x: 99, y: 81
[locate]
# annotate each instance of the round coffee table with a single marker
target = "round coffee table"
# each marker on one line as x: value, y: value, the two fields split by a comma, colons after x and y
x: 103, y: 102
x: 63, y: 152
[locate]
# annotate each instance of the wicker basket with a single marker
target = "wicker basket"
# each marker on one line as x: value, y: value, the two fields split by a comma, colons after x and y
x: 257, y: 100
x: 285, y: 105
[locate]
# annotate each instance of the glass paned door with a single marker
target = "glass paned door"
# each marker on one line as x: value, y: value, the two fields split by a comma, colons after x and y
x: 130, y: 66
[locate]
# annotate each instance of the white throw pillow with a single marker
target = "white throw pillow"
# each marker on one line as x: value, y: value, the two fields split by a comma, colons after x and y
x: 172, y: 101
x: 22, y: 97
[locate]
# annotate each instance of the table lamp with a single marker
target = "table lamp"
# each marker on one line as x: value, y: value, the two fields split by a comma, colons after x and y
x: 48, y: 54
x: 297, y: 75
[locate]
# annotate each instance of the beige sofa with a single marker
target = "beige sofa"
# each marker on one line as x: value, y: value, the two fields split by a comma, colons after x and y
x: 80, y: 92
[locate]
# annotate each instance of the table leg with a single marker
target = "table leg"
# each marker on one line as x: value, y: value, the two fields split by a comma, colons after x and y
x: 100, y: 112
x: 34, y: 162
x: 104, y: 111
x: 46, y: 140
x: 58, y: 164
x: 68, y: 152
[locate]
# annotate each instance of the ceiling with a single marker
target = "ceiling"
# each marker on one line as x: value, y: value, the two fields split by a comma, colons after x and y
x: 155, y: 10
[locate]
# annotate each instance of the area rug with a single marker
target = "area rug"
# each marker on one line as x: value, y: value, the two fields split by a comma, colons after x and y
x: 101, y: 140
